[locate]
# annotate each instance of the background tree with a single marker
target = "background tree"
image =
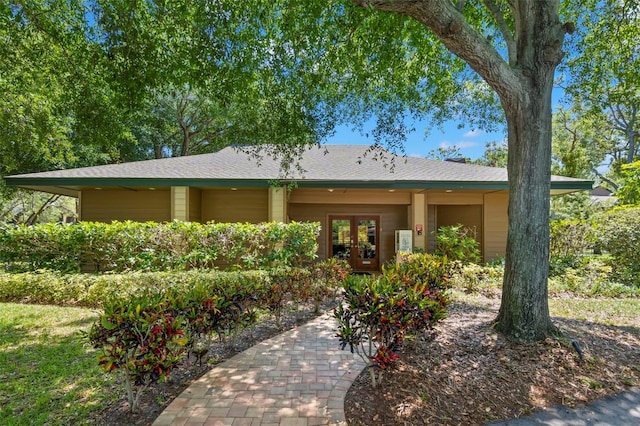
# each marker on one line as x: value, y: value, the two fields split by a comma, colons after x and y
x: 445, y: 153
x: 495, y: 155
x: 629, y: 192
x: 581, y: 142
x: 604, y: 71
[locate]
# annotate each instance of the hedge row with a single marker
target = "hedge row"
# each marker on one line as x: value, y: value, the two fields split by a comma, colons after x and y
x: 615, y: 232
x: 91, y: 290
x: 150, y: 246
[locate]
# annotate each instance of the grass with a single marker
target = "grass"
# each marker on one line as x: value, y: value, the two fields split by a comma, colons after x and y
x: 48, y: 374
x: 618, y: 312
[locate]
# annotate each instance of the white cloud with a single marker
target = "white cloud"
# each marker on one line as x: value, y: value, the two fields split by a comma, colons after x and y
x: 473, y: 133
x: 459, y: 145
x: 463, y: 145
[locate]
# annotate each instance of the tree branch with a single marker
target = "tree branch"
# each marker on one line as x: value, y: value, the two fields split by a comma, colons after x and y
x: 451, y: 27
x: 504, y: 29
x: 604, y: 178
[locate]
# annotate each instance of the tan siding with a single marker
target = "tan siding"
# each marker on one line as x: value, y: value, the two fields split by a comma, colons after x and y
x: 455, y: 197
x: 391, y: 218
x: 277, y: 204
x: 495, y: 224
x: 417, y: 217
x: 195, y: 202
x: 349, y: 196
x: 140, y: 206
x: 242, y: 205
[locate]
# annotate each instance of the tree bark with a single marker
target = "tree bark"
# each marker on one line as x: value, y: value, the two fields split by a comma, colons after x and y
x: 524, y: 309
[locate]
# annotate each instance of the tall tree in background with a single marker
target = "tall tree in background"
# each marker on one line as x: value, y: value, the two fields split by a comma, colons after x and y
x: 581, y: 142
x: 604, y: 70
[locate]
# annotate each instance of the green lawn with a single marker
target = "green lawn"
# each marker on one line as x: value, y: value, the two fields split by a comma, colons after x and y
x: 48, y: 374
x: 620, y: 312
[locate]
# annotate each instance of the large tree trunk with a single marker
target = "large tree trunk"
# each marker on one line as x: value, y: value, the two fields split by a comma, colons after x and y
x: 524, y: 311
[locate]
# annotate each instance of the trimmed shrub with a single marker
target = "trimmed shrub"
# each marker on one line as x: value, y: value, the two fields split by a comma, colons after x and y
x: 473, y: 278
x: 378, y: 312
x: 134, y: 246
x: 618, y: 232
x: 91, y: 290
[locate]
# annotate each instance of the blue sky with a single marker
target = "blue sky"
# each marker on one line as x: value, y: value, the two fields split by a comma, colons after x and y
x: 471, y: 142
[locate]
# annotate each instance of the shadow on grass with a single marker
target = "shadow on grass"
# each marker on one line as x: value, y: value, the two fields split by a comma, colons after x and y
x: 49, y: 379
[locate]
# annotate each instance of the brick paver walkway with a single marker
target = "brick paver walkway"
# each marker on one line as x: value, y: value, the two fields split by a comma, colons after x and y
x: 298, y: 378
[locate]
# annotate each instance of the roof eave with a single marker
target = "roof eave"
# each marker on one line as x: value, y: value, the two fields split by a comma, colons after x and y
x: 65, y: 183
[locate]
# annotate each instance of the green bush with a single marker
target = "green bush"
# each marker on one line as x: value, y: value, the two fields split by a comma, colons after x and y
x: 592, y: 278
x: 134, y: 246
x: 378, y: 312
x: 456, y: 243
x: 91, y: 290
x: 569, y: 242
x: 618, y: 232
x: 473, y: 278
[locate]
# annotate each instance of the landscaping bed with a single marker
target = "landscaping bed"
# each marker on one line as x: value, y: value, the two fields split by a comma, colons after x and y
x: 467, y: 374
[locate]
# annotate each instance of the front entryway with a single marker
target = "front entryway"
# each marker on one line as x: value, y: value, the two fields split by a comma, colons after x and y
x: 356, y: 240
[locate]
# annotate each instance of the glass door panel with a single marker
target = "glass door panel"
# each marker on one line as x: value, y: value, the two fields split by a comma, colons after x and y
x: 341, y: 240
x: 355, y: 239
x: 367, y: 242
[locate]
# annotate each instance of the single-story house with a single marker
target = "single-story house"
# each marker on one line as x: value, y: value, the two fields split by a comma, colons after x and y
x: 360, y: 200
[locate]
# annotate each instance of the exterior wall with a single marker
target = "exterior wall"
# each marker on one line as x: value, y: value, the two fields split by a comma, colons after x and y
x: 241, y: 205
x: 349, y: 196
x: 493, y: 217
x: 195, y: 203
x: 124, y: 204
x: 392, y: 217
x: 495, y: 224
